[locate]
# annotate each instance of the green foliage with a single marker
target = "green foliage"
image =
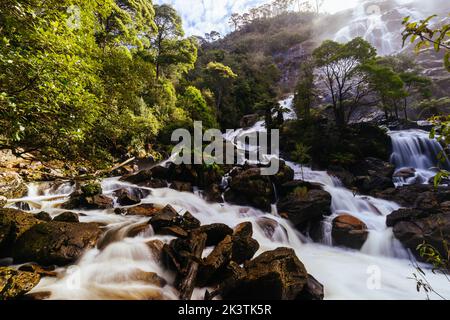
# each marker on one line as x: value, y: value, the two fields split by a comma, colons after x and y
x: 195, y: 104
x: 305, y: 91
x: 340, y: 69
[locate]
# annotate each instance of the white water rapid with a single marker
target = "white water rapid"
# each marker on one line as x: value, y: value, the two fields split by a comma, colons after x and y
x: 381, y: 270
x: 415, y: 155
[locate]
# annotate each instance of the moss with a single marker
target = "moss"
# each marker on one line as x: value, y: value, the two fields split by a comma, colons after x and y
x: 91, y: 189
x: 14, y: 283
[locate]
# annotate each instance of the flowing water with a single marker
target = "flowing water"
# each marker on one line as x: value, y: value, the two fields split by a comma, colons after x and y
x: 417, y: 155
x: 381, y: 270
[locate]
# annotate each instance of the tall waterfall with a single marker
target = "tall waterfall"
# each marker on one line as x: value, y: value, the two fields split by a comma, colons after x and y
x: 415, y: 155
x: 111, y: 272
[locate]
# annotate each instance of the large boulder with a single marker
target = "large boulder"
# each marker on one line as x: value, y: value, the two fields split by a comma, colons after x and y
x: 373, y: 175
x: 313, y: 290
x: 304, y: 205
x: 89, y: 197
x: 55, y: 243
x: 413, y: 226
x: 67, y: 217
x: 130, y: 196
x: 168, y: 222
x: 12, y: 185
x: 274, y: 275
x: 349, y: 232
x: 14, y: 283
x: 13, y: 223
x: 249, y: 120
x: 215, y: 233
x: 249, y: 187
x: 146, y: 209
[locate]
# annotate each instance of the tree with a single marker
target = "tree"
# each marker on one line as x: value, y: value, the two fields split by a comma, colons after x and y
x: 305, y: 90
x: 339, y: 69
x: 388, y: 85
x: 171, y: 49
x: 195, y: 104
x: 235, y: 21
x: 220, y: 76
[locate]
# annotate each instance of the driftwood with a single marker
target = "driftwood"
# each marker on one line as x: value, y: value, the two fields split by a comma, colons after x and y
x: 197, y: 242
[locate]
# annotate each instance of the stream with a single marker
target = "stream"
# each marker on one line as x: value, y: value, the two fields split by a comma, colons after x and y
x: 380, y: 270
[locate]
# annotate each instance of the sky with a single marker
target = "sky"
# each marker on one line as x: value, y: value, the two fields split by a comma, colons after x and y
x: 202, y: 16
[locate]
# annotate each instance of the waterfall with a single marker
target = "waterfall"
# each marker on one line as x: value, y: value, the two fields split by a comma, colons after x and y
x: 415, y: 156
x: 112, y: 272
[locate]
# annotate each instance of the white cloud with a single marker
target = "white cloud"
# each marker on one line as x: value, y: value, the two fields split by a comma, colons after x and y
x: 201, y: 16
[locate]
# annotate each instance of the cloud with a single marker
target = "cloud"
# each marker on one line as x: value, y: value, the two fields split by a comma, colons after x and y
x: 202, y: 16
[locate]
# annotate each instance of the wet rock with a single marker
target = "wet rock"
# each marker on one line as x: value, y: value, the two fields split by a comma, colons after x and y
x: 3, y: 201
x: 405, y: 214
x: 433, y: 230
x: 22, y: 205
x: 349, y: 231
x: 147, y: 210
x: 91, y: 189
x: 244, y: 246
x: 129, y: 197
x: 168, y: 222
x: 12, y: 185
x: 270, y: 227
x: 274, y: 275
x: 13, y: 223
x: 374, y: 167
x: 137, y: 178
x: 183, y: 173
x: 155, y: 184
x: 313, y: 290
x: 55, y: 243
x: 98, y: 202
x: 14, y: 283
x: 148, y: 277
x: 405, y: 173
x: 67, y: 217
x: 249, y: 120
x: 42, y: 271
x: 182, y: 186
x: 135, y: 230
x: 215, y: 233
x: 213, y: 193
x: 156, y: 248
x: 370, y: 184
x: 285, y: 174
x: 303, y: 206
x: 160, y: 172
x: 43, y: 216
x: 37, y: 296
x: 249, y: 187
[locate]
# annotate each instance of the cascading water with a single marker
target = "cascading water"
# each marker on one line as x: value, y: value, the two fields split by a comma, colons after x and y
x: 415, y: 156
x: 116, y: 270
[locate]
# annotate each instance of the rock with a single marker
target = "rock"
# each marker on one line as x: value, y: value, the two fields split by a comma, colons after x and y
x: 129, y: 197
x: 37, y: 296
x: 405, y: 214
x: 148, y: 277
x: 249, y: 187
x: 168, y: 222
x: 156, y: 248
x: 55, y: 243
x: 215, y: 233
x: 43, y: 216
x: 405, y: 173
x: 12, y: 185
x: 313, y: 290
x: 213, y: 193
x: 274, y: 275
x: 182, y: 186
x: 67, y: 217
x: 270, y: 227
x: 98, y: 202
x: 91, y: 189
x: 285, y: 174
x: 137, y: 178
x: 249, y: 120
x: 183, y: 173
x: 13, y: 223
x: 349, y: 231
x: 374, y: 167
x: 303, y: 206
x: 155, y: 184
x: 3, y: 201
x: 14, y: 283
x: 23, y: 206
x: 433, y: 230
x: 244, y: 246
x: 160, y: 172
x: 147, y: 210
x: 134, y: 231
x: 42, y: 271
x: 370, y: 184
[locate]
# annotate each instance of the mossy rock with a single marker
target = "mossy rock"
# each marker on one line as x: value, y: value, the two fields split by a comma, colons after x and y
x: 14, y: 283
x: 56, y: 243
x: 92, y: 189
x: 13, y: 223
x: 12, y: 185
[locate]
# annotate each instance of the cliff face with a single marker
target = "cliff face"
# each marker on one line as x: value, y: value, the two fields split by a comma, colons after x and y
x: 289, y: 38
